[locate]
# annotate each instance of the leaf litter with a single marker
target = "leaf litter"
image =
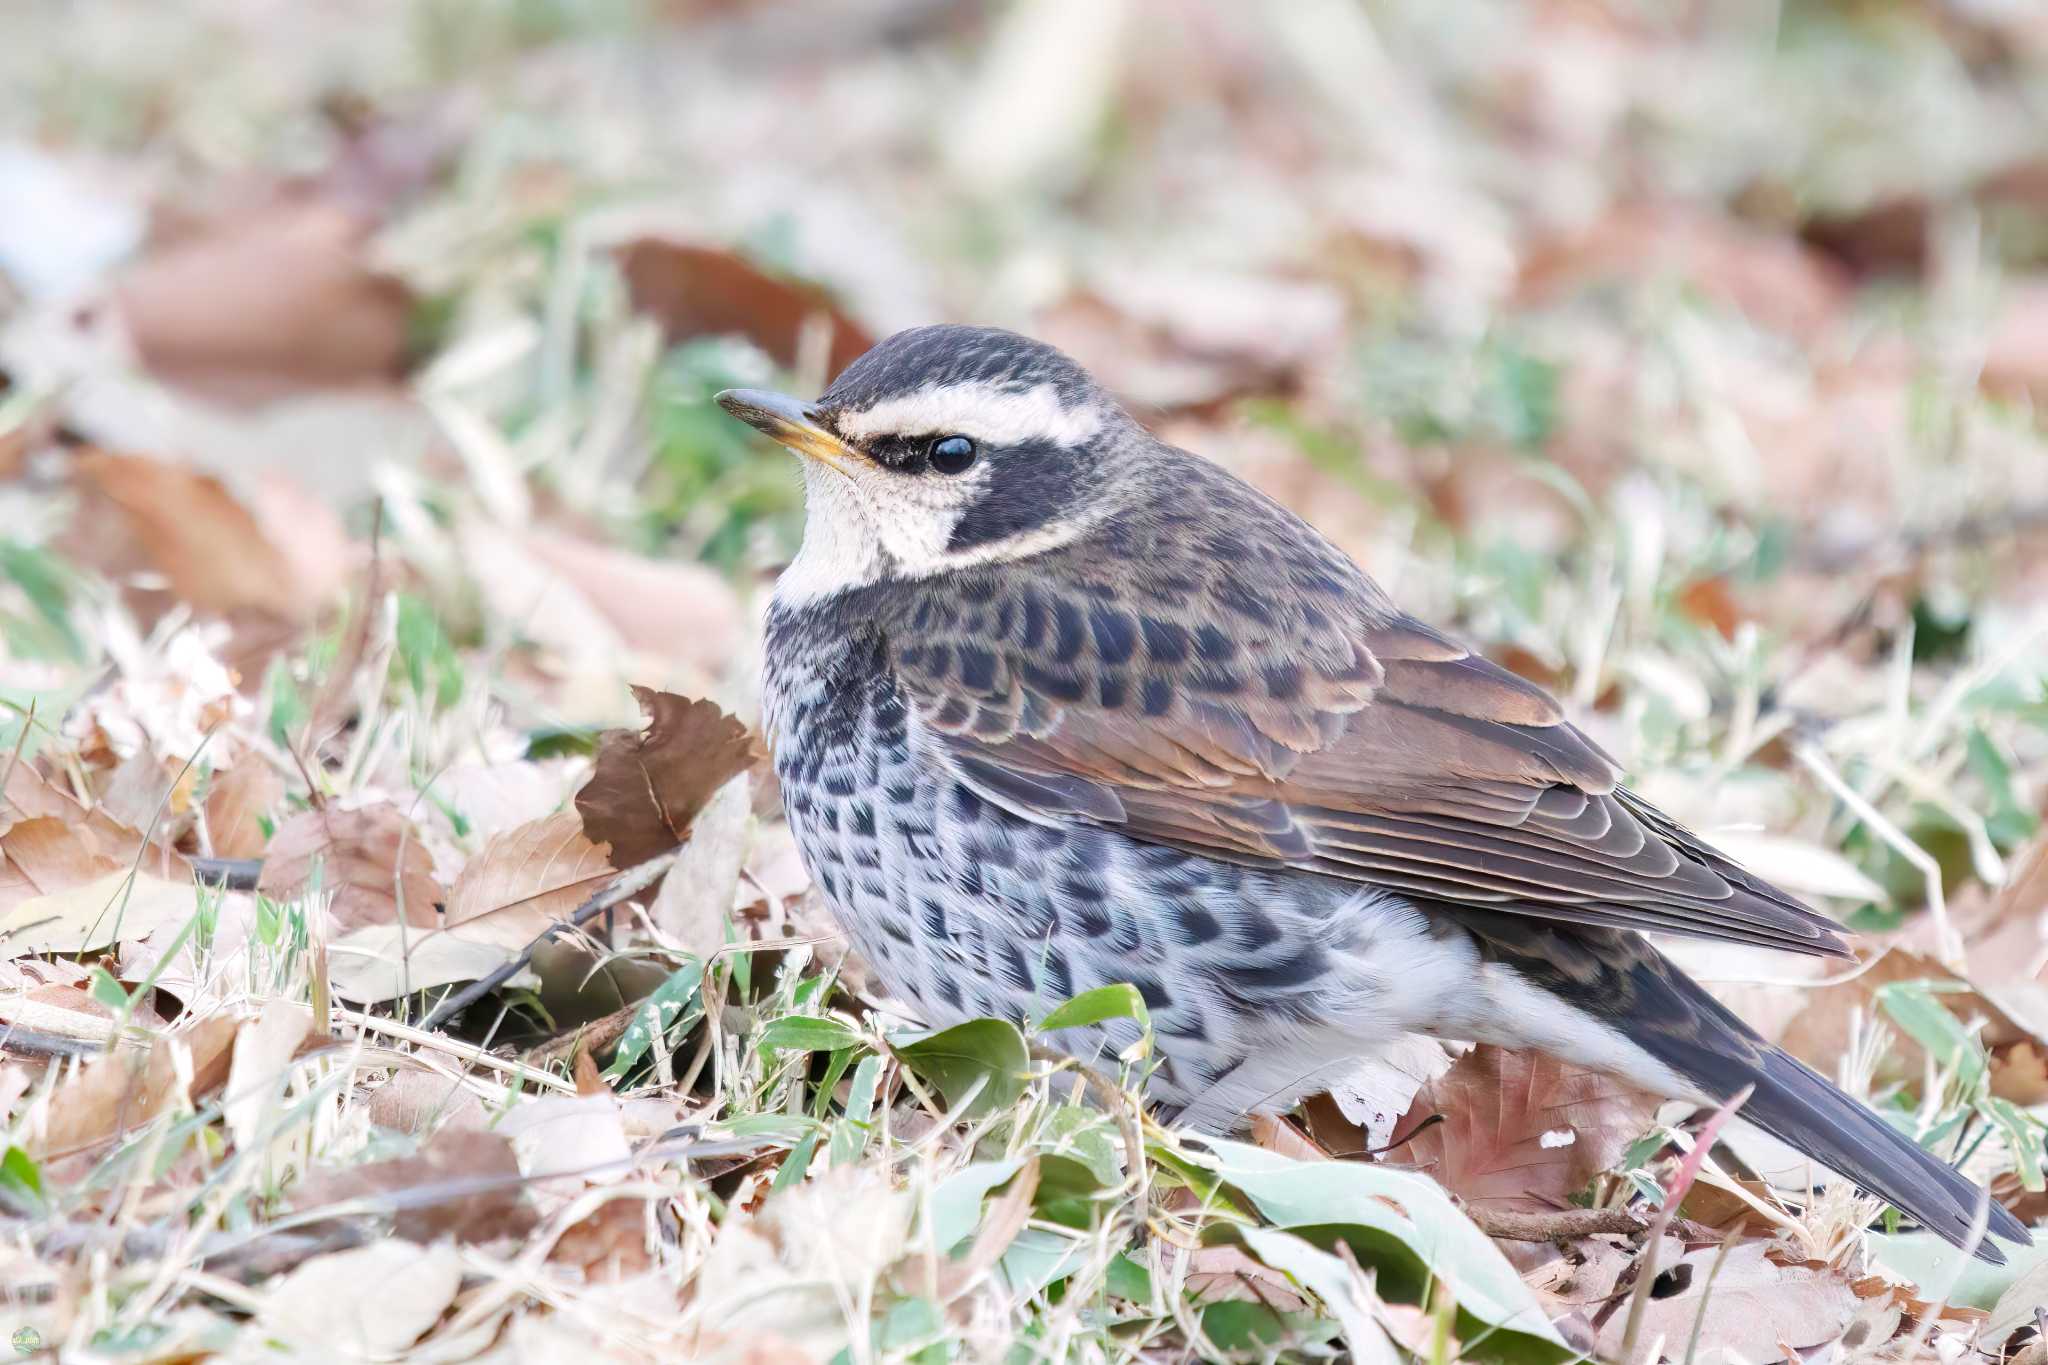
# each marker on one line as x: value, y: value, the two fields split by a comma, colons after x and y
x: 379, y: 585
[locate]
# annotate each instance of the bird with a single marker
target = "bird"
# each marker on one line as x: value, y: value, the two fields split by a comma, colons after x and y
x: 1055, y: 705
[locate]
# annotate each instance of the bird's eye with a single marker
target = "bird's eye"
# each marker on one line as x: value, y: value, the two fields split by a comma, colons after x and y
x: 952, y: 454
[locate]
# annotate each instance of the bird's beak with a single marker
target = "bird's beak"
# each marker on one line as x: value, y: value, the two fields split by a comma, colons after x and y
x: 789, y: 423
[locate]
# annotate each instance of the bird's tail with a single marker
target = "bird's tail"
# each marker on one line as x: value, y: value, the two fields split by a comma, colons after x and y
x: 1629, y: 986
x: 1796, y: 1105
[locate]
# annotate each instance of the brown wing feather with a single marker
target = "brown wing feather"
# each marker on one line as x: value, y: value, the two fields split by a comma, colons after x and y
x: 1314, y: 727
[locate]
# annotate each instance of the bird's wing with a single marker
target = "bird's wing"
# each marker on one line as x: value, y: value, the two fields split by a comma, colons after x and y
x: 1376, y: 750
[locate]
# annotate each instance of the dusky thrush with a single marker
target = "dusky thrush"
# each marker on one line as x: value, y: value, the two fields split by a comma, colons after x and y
x: 1054, y: 705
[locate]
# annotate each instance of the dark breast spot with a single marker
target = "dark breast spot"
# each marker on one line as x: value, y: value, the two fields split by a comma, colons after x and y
x: 1166, y: 642
x: 977, y: 668
x: 1067, y: 632
x: 1116, y: 635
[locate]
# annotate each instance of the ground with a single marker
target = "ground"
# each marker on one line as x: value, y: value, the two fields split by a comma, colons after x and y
x: 357, y: 464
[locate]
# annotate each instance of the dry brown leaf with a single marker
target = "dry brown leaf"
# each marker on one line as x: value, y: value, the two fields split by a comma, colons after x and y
x: 45, y: 857
x: 1772, y: 279
x: 1523, y: 1130
x: 647, y: 786
x: 115, y: 907
x: 420, y: 1102
x: 1226, y: 1273
x: 2016, y: 354
x: 694, y: 290
x: 280, y: 301
x: 526, y: 879
x: 237, y: 799
x: 129, y: 1087
x: 264, y: 1049
x: 694, y: 905
x: 662, y: 609
x: 1756, y: 1306
x: 141, y: 513
x: 463, y: 1184
x: 31, y: 795
x: 1820, y: 1033
x: 369, y: 858
x: 370, y: 1302
x: 609, y: 1245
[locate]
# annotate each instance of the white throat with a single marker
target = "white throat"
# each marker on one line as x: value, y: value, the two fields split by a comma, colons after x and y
x: 855, y: 534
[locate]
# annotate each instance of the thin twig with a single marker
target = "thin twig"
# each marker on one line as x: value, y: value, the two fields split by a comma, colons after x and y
x: 1566, y: 1225
x: 621, y: 889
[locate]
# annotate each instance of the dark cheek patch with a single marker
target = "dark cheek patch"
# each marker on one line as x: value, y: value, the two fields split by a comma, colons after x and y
x: 1028, y: 486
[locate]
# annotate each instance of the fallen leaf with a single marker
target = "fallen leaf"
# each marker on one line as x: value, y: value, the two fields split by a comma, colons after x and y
x: 694, y: 905
x: 1373, y: 1096
x: 282, y: 300
x: 422, y: 1102
x: 609, y: 1245
x: 694, y: 289
x: 43, y: 858
x: 1821, y: 1033
x: 1767, y: 277
x: 1754, y: 1305
x: 238, y: 799
x: 127, y: 1088
x: 1522, y: 1130
x: 380, y: 962
x: 369, y: 858
x: 569, y: 1140
x: 463, y: 1184
x: 140, y: 513
x: 526, y: 879
x: 671, y: 610
x: 264, y: 1048
x: 647, y: 787
x: 370, y: 1302
x: 114, y: 907
x: 1225, y: 1273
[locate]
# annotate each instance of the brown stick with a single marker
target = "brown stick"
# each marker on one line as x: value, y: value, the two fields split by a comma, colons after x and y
x: 1565, y: 1225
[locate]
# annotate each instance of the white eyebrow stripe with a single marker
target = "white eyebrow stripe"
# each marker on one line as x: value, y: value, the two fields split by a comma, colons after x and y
x: 986, y: 411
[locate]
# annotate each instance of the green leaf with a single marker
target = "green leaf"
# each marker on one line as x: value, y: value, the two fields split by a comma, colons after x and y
x: 954, y: 1209
x: 797, y: 1163
x: 979, y: 1066
x: 1406, y: 1230
x: 1068, y: 1193
x: 1126, y: 1279
x: 1330, y: 1280
x: 108, y: 991
x: 1913, y: 1006
x: 808, y: 1033
x: 1933, y: 1264
x: 850, y: 1135
x: 2023, y: 1136
x: 21, y: 1181
x: 1118, y: 1001
x: 668, y: 1004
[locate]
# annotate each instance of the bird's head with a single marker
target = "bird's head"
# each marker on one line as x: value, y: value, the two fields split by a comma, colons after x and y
x: 943, y: 448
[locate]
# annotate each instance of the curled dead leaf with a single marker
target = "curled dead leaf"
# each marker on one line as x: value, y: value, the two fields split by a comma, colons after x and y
x: 647, y: 786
